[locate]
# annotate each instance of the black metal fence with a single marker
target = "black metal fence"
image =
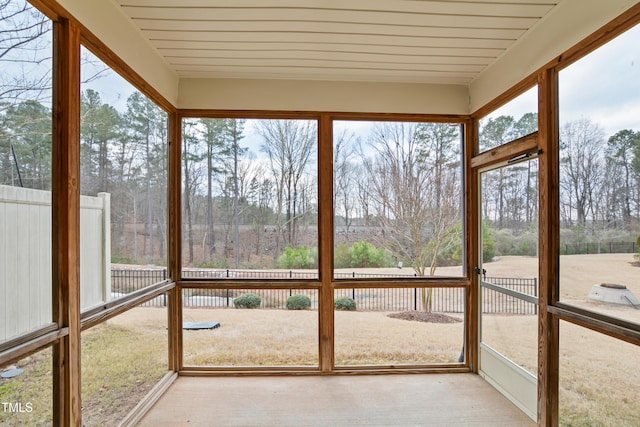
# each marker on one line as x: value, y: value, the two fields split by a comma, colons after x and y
x: 444, y: 299
x: 495, y: 301
x: 599, y: 248
x: 126, y: 280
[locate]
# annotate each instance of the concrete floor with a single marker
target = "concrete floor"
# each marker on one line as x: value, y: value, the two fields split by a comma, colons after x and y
x: 368, y: 400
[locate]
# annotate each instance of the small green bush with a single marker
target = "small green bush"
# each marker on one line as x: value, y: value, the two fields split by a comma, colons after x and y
x: 345, y: 303
x: 121, y: 259
x: 365, y: 255
x: 247, y: 301
x: 361, y: 254
x: 298, y: 302
x: 341, y: 256
x: 298, y: 257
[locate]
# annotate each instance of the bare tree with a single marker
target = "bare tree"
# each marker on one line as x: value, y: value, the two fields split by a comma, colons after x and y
x: 190, y: 175
x: 345, y: 175
x: 211, y: 134
x: 289, y: 146
x: 232, y: 134
x: 582, y: 143
x: 495, y: 132
x: 260, y: 194
x: 621, y: 156
x: 417, y: 208
x: 25, y: 50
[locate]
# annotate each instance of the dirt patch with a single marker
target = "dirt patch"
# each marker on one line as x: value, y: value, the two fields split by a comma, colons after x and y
x: 423, y: 316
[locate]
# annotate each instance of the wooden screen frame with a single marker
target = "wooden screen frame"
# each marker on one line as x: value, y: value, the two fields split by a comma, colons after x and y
x: 64, y: 334
x: 551, y: 310
x: 326, y: 284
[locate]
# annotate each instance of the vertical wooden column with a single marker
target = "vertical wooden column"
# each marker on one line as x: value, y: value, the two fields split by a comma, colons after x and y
x: 472, y: 200
x: 175, y: 241
x: 66, y: 223
x: 325, y: 242
x: 549, y: 266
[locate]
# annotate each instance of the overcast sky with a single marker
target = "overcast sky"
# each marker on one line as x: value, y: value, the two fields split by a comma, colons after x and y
x: 604, y: 87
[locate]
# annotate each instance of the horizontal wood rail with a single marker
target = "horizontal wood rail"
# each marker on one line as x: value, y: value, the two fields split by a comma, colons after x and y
x: 611, y: 326
x: 248, y: 284
x: 501, y: 154
x: 111, y: 309
x: 13, y: 351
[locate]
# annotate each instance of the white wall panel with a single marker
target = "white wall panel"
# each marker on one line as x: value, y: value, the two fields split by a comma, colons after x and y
x: 239, y: 94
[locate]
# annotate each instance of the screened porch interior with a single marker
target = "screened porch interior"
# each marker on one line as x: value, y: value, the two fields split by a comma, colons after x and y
x: 319, y: 213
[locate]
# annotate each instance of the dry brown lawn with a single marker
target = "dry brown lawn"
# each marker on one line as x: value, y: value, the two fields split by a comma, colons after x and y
x: 599, y: 380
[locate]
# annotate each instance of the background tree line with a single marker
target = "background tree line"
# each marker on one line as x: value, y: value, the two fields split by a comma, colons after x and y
x: 398, y: 187
x: 243, y: 208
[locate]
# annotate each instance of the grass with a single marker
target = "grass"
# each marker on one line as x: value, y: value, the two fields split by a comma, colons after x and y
x: 252, y: 338
x: 599, y: 379
x: 373, y: 338
x: 120, y: 364
x: 125, y: 357
x: 32, y: 387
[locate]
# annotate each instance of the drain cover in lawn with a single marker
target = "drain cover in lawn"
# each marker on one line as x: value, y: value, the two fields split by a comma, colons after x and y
x: 200, y: 325
x: 11, y: 373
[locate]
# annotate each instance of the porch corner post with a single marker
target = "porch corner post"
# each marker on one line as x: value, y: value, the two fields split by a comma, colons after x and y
x: 549, y: 266
x: 67, y: 406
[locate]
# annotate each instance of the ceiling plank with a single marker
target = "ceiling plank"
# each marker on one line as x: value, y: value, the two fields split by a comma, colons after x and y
x: 481, y: 8
x: 319, y: 54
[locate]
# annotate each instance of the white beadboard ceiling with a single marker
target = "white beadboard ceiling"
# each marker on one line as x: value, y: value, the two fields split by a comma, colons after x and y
x: 411, y: 41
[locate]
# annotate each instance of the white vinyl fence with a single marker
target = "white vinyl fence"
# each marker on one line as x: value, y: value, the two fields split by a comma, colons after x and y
x: 25, y: 257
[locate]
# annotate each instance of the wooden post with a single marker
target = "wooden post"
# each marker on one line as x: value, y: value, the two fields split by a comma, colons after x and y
x: 325, y: 242
x: 549, y: 265
x: 174, y: 244
x: 66, y: 222
x: 472, y: 336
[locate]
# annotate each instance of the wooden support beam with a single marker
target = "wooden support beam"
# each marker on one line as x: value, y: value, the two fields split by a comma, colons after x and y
x: 66, y: 223
x: 472, y: 216
x: 503, y: 153
x: 175, y: 243
x: 325, y: 242
x: 549, y: 253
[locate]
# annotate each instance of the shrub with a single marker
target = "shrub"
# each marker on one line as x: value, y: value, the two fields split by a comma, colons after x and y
x: 450, y: 250
x: 345, y: 303
x: 298, y: 302
x: 488, y: 242
x: 121, y: 259
x: 364, y: 254
x: 247, y: 301
x: 298, y: 257
x: 361, y: 254
x: 341, y: 256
